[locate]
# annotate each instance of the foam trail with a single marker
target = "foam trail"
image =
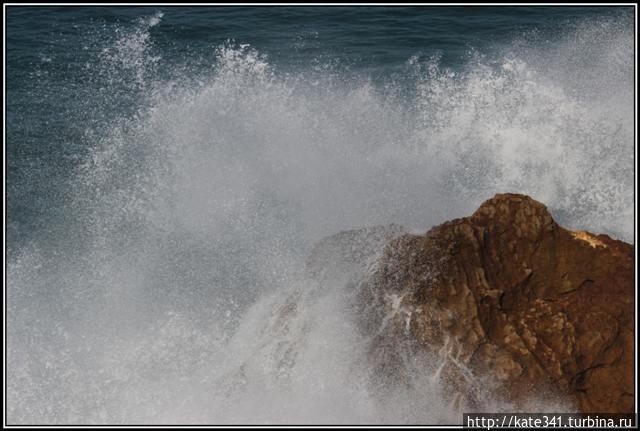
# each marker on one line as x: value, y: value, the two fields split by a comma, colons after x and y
x: 189, y: 221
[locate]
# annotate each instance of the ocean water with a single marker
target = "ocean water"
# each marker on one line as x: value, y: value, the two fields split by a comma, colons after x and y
x: 170, y: 168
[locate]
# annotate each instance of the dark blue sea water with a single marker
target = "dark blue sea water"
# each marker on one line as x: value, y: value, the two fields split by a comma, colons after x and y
x: 169, y: 168
x: 61, y: 84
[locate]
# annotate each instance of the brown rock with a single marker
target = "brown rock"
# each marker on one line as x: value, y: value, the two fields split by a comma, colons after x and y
x: 510, y: 302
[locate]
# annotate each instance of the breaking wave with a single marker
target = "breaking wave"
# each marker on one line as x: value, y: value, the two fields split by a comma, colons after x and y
x: 155, y: 297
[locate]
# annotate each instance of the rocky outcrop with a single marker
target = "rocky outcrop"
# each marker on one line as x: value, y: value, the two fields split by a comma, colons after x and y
x: 510, y: 299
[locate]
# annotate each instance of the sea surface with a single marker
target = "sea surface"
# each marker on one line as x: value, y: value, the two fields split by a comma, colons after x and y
x: 170, y: 168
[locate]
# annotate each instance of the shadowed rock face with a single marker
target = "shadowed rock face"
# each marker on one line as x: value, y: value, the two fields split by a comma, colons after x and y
x: 512, y: 303
x: 346, y: 256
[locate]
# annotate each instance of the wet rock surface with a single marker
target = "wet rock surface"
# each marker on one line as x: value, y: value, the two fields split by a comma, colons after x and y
x: 511, y: 303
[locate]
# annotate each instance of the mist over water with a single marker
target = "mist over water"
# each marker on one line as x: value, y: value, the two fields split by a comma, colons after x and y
x: 152, y: 293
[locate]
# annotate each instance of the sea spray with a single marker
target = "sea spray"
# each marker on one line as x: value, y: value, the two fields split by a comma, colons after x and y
x: 153, y: 296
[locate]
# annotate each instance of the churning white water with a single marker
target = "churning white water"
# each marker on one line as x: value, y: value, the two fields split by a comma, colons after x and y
x: 155, y: 298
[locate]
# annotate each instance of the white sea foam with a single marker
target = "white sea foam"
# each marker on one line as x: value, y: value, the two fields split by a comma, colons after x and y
x: 189, y: 223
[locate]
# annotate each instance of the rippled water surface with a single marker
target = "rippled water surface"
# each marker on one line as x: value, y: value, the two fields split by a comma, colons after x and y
x: 169, y: 170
